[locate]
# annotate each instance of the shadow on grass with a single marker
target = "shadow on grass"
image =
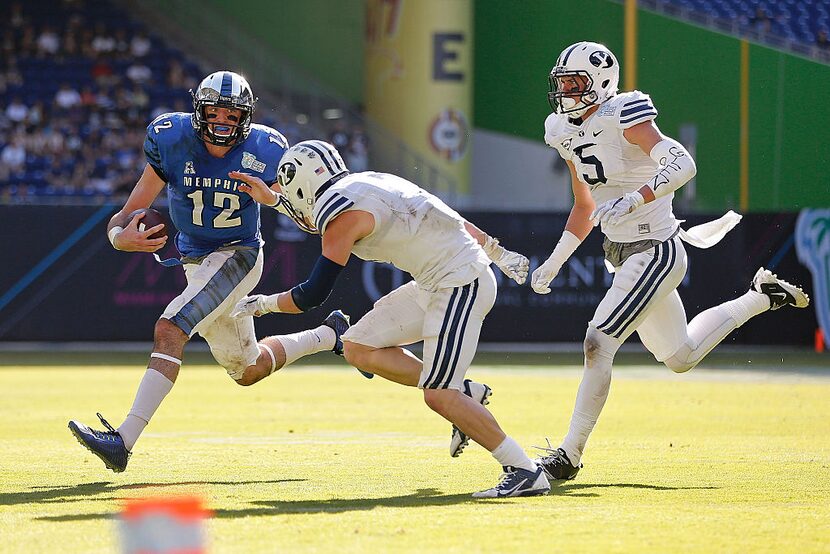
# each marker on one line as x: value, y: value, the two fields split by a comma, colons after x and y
x: 574, y: 489
x: 83, y: 491
x: 420, y: 498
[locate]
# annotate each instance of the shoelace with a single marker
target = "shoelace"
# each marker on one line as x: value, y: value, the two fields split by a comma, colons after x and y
x: 110, y: 433
x: 504, y: 479
x: 553, y: 455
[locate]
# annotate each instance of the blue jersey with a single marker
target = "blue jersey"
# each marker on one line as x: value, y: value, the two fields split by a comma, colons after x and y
x: 205, y: 204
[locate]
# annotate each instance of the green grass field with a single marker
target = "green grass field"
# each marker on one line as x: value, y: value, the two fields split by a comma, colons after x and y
x: 317, y: 459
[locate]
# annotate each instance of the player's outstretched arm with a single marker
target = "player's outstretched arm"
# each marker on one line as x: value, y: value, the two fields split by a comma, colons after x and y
x: 577, y: 228
x: 512, y: 264
x: 256, y: 188
x: 123, y: 233
x: 339, y: 237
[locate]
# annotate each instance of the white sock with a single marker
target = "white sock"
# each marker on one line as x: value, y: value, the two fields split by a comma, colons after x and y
x: 509, y: 453
x: 301, y: 344
x: 151, y: 391
x: 592, y: 393
x: 710, y: 327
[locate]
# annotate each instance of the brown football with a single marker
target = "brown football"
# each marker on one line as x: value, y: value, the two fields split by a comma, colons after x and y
x: 151, y: 219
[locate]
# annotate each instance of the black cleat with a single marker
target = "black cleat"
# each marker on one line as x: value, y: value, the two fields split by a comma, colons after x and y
x: 556, y: 464
x: 339, y: 321
x: 107, y: 445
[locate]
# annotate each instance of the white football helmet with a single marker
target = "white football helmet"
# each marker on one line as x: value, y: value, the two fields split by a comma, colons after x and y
x: 594, y: 70
x: 306, y: 171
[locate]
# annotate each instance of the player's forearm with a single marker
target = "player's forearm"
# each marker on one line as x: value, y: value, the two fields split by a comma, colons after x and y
x: 579, y: 223
x: 479, y: 235
x: 286, y: 304
x: 675, y: 168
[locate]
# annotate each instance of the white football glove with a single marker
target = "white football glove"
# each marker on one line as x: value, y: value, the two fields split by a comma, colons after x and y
x: 255, y: 305
x: 612, y: 210
x: 544, y: 274
x: 512, y: 264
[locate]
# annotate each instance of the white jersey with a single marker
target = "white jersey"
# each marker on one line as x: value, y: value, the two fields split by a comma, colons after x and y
x: 611, y: 166
x: 414, y: 230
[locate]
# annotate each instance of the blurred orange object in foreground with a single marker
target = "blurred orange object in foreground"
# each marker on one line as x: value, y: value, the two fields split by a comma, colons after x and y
x: 163, y: 526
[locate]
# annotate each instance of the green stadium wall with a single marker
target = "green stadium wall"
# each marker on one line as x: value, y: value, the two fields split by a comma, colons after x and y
x: 693, y: 76
x: 323, y: 38
x: 692, y: 73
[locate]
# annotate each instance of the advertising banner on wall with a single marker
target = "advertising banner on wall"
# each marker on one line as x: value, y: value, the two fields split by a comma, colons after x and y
x: 419, y: 79
x: 63, y: 281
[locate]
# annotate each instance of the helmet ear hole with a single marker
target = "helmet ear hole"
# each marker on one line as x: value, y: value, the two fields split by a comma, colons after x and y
x: 300, y: 194
x: 605, y: 83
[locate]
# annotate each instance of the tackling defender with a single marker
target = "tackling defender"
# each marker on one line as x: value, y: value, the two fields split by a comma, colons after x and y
x: 624, y: 172
x: 382, y: 217
x: 221, y: 247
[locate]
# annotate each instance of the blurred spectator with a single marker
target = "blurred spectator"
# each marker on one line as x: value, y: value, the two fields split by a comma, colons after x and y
x: 339, y: 137
x: 138, y: 72
x: 16, y: 17
x: 102, y: 70
x: 14, y: 154
x: 761, y: 21
x: 36, y: 114
x: 67, y: 97
x: 357, y: 152
x: 48, y: 41
x: 140, y: 45
x: 122, y: 44
x: 16, y: 111
x: 176, y: 77
x: 104, y: 42
x: 88, y: 98
x: 822, y: 41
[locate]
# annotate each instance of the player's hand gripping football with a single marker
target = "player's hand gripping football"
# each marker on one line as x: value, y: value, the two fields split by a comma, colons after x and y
x: 255, y: 305
x: 131, y: 239
x: 612, y: 210
x: 512, y: 264
x: 256, y: 188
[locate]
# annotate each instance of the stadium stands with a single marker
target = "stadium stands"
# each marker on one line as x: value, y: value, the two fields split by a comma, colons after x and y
x: 798, y: 25
x: 79, y: 82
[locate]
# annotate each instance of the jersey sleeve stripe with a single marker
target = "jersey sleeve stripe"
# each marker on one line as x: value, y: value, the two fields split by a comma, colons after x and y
x: 332, y: 204
x: 643, y: 116
x: 324, y: 206
x: 334, y: 211
x: 630, y: 111
x: 635, y: 103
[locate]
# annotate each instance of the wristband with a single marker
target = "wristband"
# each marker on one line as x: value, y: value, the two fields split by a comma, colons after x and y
x: 112, y: 234
x: 566, y: 246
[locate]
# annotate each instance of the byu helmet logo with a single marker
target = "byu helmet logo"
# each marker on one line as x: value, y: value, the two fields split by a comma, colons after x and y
x: 601, y: 59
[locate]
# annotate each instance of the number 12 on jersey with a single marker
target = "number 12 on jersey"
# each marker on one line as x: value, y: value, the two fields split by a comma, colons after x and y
x: 228, y: 203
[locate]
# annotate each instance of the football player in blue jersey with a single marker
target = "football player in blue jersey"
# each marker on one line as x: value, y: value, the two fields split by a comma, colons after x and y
x: 217, y: 217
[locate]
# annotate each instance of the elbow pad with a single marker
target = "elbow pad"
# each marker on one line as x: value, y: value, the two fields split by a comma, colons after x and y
x: 676, y: 167
x: 317, y: 287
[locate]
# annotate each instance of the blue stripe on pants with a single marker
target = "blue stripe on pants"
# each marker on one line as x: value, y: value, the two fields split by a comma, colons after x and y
x: 217, y: 289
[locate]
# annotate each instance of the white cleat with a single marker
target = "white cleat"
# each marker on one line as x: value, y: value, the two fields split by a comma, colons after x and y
x: 780, y: 292
x: 481, y: 394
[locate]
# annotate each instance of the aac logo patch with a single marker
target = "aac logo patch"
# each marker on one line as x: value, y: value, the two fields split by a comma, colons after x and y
x: 249, y: 161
